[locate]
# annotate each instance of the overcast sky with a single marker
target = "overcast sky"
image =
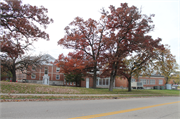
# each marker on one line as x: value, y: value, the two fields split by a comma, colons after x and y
x: 166, y: 20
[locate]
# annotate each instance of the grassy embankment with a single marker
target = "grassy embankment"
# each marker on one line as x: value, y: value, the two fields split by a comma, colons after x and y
x: 28, y: 88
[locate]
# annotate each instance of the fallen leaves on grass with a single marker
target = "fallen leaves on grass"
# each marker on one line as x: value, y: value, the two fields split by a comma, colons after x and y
x: 28, y: 88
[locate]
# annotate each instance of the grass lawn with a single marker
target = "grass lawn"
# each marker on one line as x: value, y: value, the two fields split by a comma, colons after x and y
x: 29, y: 88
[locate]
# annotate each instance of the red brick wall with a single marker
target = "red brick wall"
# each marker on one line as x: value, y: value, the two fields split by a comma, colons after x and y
x: 51, y: 73
x: 124, y: 82
x: 156, y: 81
x: 61, y: 77
x: 83, y: 83
x: 121, y: 82
x: 91, y: 82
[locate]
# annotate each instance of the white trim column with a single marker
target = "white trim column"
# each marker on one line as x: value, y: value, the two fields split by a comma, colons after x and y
x: 46, y: 79
x: 87, y: 82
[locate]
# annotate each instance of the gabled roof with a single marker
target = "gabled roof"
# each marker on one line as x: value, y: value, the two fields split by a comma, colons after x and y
x: 49, y: 58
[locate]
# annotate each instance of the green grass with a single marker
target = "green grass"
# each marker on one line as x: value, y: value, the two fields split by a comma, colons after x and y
x: 29, y: 88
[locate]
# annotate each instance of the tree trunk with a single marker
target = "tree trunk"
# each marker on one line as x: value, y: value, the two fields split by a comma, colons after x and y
x: 129, y: 84
x: 94, y: 79
x: 113, y: 74
x: 14, y: 75
x: 111, y: 83
x: 94, y: 76
x: 166, y: 79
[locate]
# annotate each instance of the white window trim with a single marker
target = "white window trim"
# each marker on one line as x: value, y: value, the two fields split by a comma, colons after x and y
x: 143, y: 81
x: 133, y: 80
x: 152, y: 81
x: 58, y: 77
x: 102, y: 79
x: 160, y: 81
x: 147, y: 81
x: 34, y: 76
x: 46, y: 68
x: 57, y: 69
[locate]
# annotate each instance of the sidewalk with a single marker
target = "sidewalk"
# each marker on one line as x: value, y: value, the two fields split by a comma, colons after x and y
x: 71, y: 94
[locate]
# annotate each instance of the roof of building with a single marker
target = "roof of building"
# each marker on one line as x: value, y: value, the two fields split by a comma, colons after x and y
x: 49, y: 58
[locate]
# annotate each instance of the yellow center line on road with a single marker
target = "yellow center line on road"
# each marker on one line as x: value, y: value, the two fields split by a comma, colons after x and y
x: 121, y: 111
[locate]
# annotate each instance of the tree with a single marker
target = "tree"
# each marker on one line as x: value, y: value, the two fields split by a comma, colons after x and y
x: 141, y: 61
x: 74, y: 66
x: 22, y: 63
x: 74, y: 77
x: 20, y: 26
x: 175, y: 77
x: 5, y: 73
x: 165, y: 63
x: 86, y: 36
x: 128, y: 28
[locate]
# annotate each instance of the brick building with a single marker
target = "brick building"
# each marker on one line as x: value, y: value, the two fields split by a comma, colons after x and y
x: 48, y: 74
x: 148, y: 82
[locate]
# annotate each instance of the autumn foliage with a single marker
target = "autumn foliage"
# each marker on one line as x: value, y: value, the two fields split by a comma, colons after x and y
x: 74, y: 66
x: 87, y: 36
x: 165, y: 63
x: 128, y: 29
x: 120, y: 33
x: 21, y: 25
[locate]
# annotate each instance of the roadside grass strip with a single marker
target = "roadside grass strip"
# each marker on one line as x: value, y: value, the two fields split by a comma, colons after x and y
x: 20, y: 98
x: 29, y: 88
x: 121, y: 111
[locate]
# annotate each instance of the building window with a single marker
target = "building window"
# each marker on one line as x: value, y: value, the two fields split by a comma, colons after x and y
x: 33, y: 76
x: 74, y: 83
x: 147, y: 81
x: 57, y: 77
x: 107, y: 82
x: 104, y: 81
x: 67, y: 83
x: 133, y: 80
x: 70, y: 83
x: 33, y: 68
x: 160, y: 82
x: 46, y: 70
x: 64, y: 81
x: 97, y: 82
x: 143, y: 81
x: 57, y: 69
x: 100, y: 81
x: 152, y: 81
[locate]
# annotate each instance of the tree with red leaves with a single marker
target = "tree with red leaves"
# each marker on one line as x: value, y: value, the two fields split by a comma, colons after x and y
x: 74, y: 66
x: 20, y: 26
x: 128, y: 28
x: 89, y: 37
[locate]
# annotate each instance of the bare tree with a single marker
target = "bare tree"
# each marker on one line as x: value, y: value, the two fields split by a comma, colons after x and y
x: 22, y: 63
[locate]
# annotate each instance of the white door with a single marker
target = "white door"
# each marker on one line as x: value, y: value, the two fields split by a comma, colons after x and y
x: 45, y: 81
x: 87, y: 82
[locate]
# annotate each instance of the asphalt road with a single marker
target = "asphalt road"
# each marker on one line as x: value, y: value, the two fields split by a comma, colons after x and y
x: 131, y: 108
